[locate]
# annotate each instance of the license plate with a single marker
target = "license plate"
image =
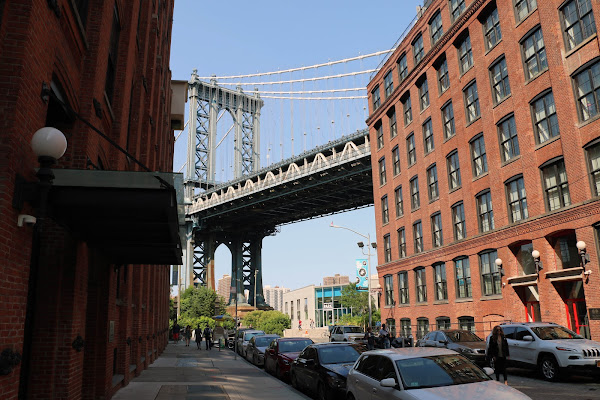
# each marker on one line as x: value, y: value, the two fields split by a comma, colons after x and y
x: 598, y: 364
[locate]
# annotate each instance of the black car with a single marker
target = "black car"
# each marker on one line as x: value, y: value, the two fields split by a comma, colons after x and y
x: 464, y: 342
x: 322, y: 368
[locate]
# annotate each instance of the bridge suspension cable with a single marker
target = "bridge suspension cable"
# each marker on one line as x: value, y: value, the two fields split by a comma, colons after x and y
x: 318, y: 78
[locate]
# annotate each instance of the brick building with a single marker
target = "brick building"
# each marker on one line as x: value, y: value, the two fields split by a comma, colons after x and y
x: 486, y: 151
x: 85, y: 300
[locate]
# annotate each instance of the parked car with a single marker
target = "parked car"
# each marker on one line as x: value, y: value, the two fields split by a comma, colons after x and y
x: 321, y: 368
x: 465, y: 342
x: 243, y: 339
x: 346, y: 333
x: 423, y: 373
x: 281, y: 353
x: 550, y: 347
x: 255, y: 351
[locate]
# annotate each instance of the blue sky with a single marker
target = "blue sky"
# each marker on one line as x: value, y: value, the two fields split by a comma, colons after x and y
x: 242, y: 37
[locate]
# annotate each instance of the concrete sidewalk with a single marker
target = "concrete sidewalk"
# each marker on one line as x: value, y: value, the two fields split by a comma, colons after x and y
x: 188, y: 373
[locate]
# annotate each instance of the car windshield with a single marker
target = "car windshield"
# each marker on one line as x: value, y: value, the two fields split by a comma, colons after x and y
x: 352, y: 329
x: 340, y: 354
x: 463, y: 336
x: 263, y: 341
x: 249, y: 336
x: 442, y: 370
x: 293, y: 346
x: 554, y: 332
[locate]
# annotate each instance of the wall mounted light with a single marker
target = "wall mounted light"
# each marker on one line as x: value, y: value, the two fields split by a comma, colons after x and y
x: 498, y: 263
x: 536, y: 260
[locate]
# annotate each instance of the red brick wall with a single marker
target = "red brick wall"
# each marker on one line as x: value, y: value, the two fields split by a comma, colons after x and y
x: 77, y: 289
x: 580, y: 216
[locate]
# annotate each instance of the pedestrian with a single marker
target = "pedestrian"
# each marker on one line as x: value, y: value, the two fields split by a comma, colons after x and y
x: 198, y: 334
x: 176, y: 330
x: 207, y: 336
x: 385, y: 336
x: 312, y: 324
x: 498, y: 352
x: 188, y: 335
x: 300, y: 325
x: 370, y: 338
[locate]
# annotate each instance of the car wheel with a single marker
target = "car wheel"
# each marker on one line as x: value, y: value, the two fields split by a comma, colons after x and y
x: 322, y: 393
x: 345, y: 340
x: 294, y: 381
x: 549, y: 368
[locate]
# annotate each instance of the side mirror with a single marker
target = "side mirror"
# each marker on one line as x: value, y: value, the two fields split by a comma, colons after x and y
x: 488, y: 371
x: 528, y: 338
x: 388, y: 382
x: 443, y: 341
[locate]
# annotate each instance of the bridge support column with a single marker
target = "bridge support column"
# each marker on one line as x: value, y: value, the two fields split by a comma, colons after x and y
x: 247, y: 271
x: 204, y: 261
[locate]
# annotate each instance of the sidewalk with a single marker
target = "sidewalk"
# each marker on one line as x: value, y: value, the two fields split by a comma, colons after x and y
x: 188, y: 373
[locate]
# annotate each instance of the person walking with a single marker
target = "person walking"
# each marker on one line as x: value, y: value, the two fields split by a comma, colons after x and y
x: 188, y: 335
x: 198, y: 334
x: 370, y: 338
x: 498, y: 352
x: 299, y: 325
x: 207, y: 336
x: 385, y: 337
x: 176, y: 331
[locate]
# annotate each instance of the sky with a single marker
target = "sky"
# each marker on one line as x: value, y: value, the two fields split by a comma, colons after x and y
x: 243, y: 37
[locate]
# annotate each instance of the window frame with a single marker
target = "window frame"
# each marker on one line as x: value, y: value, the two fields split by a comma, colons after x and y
x: 536, y: 53
x: 465, y: 53
x: 494, y: 273
x: 443, y: 76
x: 387, y: 248
x: 411, y: 149
x: 568, y: 46
x: 501, y: 88
x: 478, y: 143
x: 401, y: 242
x: 474, y: 103
x: 562, y: 187
x: 459, y: 226
x: 407, y: 109
x: 382, y: 171
x: 465, y: 275
x: 418, y: 236
x: 522, y: 201
x: 396, y: 161
x: 448, y: 123
x: 428, y: 140
x: 423, y: 87
x: 433, y: 190
x: 595, y: 92
x: 421, y: 290
x: 418, y: 52
x: 402, y: 66
x: 512, y: 139
x: 379, y: 129
x: 436, y: 32
x: 453, y: 168
x: 415, y: 200
x: 392, y: 122
x: 494, y: 29
x: 403, y: 293
x: 594, y: 174
x: 530, y: 9
x: 456, y: 12
x: 375, y: 98
x: 437, y: 237
x: 440, y: 286
x: 487, y: 215
x: 388, y: 84
x: 385, y: 211
x: 399, y: 201
x: 553, y: 130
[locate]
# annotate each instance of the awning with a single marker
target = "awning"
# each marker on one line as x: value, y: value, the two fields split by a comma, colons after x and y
x: 523, y: 280
x: 569, y: 274
x: 131, y: 217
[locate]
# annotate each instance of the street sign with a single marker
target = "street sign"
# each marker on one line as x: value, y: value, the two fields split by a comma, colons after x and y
x: 327, y: 306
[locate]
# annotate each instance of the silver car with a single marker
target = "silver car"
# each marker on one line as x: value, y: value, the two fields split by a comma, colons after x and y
x: 255, y: 351
x: 244, y: 338
x: 423, y: 373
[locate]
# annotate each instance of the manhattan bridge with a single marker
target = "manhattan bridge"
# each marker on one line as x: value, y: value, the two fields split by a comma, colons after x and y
x: 269, y: 149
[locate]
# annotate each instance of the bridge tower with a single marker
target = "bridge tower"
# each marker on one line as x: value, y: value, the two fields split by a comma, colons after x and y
x: 206, y: 101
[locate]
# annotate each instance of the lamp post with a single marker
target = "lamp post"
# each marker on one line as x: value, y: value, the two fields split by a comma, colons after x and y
x: 537, y: 262
x: 49, y: 144
x: 368, y: 254
x: 582, y: 253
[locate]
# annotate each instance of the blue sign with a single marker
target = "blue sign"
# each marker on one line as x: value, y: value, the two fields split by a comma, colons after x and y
x: 362, y: 274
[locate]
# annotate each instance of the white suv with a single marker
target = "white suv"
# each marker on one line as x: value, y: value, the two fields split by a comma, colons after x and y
x: 549, y: 347
x: 346, y: 333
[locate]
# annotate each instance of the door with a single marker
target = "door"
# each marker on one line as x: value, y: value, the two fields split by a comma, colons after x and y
x: 364, y: 377
x: 385, y: 369
x: 577, y: 316
x: 532, y: 311
x: 523, y: 350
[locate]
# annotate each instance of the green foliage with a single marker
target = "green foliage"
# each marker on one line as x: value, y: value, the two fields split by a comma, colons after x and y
x: 268, y: 321
x: 172, y: 312
x: 201, y: 301
x: 359, y: 302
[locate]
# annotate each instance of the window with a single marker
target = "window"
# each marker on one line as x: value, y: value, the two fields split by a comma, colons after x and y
x: 463, y: 278
x: 435, y: 27
x: 113, y: 51
x: 453, y: 170
x: 388, y: 83
x: 545, y: 121
x: 466, y: 324
x: 490, y: 276
x: 491, y: 30
x: 411, y: 150
x: 524, y: 258
x: 471, y: 102
x: 403, y: 287
x: 379, y: 128
x: 517, y: 200
x: 387, y: 247
x: 524, y: 7
x: 577, y: 21
x: 385, y: 214
x: 448, y: 120
x: 443, y: 76
x: 423, y: 94
x: 392, y: 121
x: 406, y: 105
x: 421, y: 283
x: 534, y: 54
x: 485, y: 213
x: 593, y: 154
x: 418, y: 236
x: 386, y: 367
x: 556, y: 187
x: 428, y: 136
x: 436, y: 230
x: 465, y: 55
x: 388, y: 285
x: 432, y: 183
x: 456, y: 8
x: 398, y: 201
x: 478, y: 155
x: 414, y: 193
x: 499, y: 81
x: 443, y: 323
x: 418, y: 50
x: 401, y: 243
x: 375, y: 98
x: 509, y: 143
x: 396, y: 160
x: 405, y: 328
x: 422, y: 327
x: 441, y: 289
x: 402, y: 68
x: 382, y: 175
x: 587, y: 92
x: 567, y: 254
x: 458, y: 221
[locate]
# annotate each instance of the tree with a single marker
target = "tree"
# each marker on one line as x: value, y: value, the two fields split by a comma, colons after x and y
x: 359, y: 302
x: 201, y: 301
x: 268, y: 321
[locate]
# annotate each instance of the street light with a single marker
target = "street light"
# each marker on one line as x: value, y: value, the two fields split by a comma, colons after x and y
x: 361, y: 245
x: 499, y: 265
x: 536, y: 260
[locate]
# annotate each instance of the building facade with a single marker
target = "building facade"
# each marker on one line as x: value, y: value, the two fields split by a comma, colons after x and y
x: 85, y: 280
x: 224, y: 286
x: 485, y: 151
x: 337, y: 279
x: 274, y: 296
